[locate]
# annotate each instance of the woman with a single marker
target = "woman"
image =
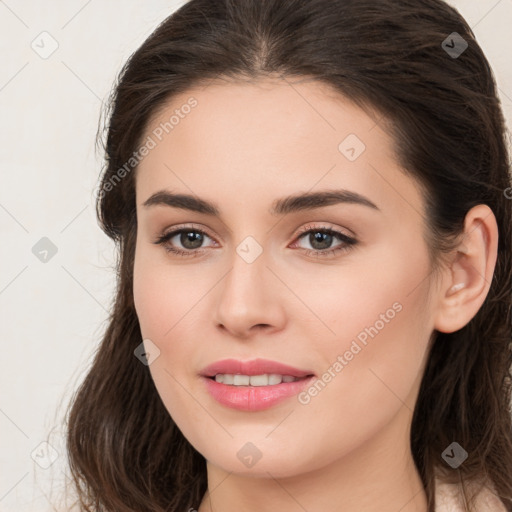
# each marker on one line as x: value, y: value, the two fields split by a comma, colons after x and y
x: 312, y: 206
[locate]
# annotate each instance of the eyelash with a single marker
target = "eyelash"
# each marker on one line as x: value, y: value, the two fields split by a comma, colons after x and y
x: 348, y: 242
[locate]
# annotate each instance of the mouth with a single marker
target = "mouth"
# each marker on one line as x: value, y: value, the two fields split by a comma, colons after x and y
x: 256, y: 385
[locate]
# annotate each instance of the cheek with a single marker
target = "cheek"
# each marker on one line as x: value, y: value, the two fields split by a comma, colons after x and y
x: 153, y: 302
x: 375, y: 294
x: 164, y: 300
x: 165, y: 295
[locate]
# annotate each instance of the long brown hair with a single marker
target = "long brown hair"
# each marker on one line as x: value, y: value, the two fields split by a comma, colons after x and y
x: 125, y: 452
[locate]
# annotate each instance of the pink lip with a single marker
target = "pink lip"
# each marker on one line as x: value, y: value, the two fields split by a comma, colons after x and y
x: 253, y: 398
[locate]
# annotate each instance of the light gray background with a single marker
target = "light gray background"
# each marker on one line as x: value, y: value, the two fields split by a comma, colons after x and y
x: 52, y: 314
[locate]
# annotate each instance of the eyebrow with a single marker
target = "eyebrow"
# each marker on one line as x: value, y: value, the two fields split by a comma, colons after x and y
x: 283, y: 206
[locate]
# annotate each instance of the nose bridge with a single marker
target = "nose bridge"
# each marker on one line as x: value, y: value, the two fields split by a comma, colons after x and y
x: 248, y: 295
x: 246, y: 280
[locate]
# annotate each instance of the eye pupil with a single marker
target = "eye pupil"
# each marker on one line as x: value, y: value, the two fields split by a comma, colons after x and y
x: 191, y: 236
x: 325, y: 240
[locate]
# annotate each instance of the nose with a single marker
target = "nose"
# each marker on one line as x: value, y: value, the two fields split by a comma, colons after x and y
x: 250, y: 300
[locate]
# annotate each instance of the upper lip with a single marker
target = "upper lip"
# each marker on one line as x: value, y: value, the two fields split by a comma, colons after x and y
x: 253, y: 367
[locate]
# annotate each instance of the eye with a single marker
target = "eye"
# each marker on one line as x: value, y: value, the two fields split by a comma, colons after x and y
x: 190, y: 238
x: 321, y: 239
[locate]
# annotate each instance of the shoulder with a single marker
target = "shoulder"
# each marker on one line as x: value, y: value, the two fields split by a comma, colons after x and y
x: 449, y: 498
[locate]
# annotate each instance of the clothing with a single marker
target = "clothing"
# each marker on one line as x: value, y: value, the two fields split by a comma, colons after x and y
x: 449, y: 498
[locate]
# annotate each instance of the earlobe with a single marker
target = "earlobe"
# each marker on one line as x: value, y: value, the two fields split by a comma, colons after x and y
x: 467, y: 280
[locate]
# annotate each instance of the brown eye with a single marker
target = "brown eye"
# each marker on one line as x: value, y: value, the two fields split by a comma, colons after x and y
x: 184, y: 241
x: 321, y: 240
x: 191, y: 239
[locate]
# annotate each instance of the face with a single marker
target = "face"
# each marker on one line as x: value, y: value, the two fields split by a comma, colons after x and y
x: 336, y: 286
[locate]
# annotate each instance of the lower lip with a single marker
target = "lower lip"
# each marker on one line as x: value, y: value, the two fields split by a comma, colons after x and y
x: 254, y: 398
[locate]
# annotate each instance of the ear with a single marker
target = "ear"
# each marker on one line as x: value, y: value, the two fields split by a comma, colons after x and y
x: 467, y: 280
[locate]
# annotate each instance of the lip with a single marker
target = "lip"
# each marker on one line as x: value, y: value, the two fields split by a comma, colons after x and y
x: 253, y: 367
x: 253, y: 398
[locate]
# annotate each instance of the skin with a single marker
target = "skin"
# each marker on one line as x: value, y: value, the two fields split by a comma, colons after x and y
x: 242, y: 147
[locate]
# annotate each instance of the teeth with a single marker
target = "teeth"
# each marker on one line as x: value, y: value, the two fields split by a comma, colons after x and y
x: 274, y: 378
x: 227, y: 379
x: 253, y: 380
x: 241, y: 380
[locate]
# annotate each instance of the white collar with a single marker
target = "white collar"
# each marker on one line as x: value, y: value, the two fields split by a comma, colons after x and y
x: 449, y: 498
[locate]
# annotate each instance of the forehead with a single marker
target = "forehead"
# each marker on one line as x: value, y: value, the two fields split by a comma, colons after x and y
x: 269, y: 135
x: 244, y: 110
